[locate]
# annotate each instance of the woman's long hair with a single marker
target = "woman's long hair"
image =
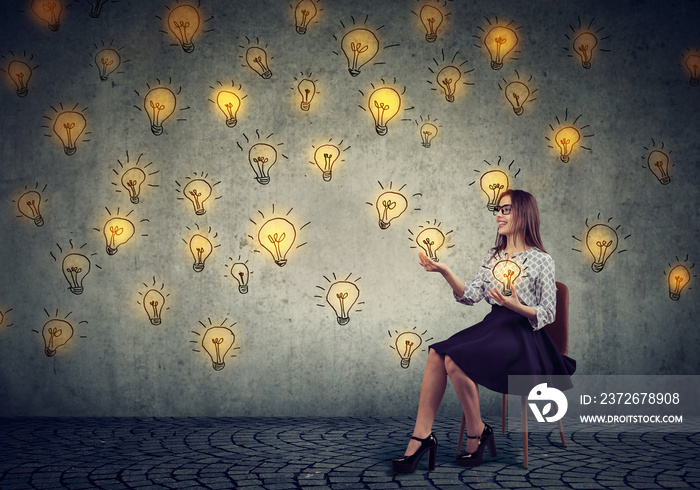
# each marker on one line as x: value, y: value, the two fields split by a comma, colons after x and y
x: 526, y: 220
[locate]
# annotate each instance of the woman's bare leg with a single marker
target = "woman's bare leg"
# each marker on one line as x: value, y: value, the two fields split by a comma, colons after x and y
x: 468, y: 394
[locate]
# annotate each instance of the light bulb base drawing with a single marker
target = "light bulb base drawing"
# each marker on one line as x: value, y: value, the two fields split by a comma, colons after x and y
x: 266, y: 74
x: 39, y: 221
x: 564, y: 158
x: 496, y: 65
x: 674, y: 296
x: 305, y: 106
x: 665, y: 180
x: 94, y: 14
x: 243, y: 289
x: 22, y: 92
x: 327, y: 176
x: 69, y: 150
x: 198, y: 267
x: 384, y: 224
x: 405, y: 363
x: 49, y: 352
x: 450, y: 98
x: 54, y: 27
x: 343, y: 320
x: 218, y: 366
x: 597, y: 266
x: 586, y: 64
x: 76, y: 290
x: 281, y: 262
x: 110, y: 250
x: 518, y: 110
x: 381, y: 130
x: 187, y: 47
x: 426, y: 144
x: 694, y: 81
x: 231, y: 122
x: 134, y: 199
x: 491, y: 206
x: 301, y: 30
x: 155, y: 321
x: 354, y: 72
x: 156, y: 130
x: 431, y: 37
x: 263, y: 180
x: 507, y: 292
x: 200, y: 211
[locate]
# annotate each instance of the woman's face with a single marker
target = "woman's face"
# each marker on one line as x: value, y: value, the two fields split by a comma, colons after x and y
x: 504, y: 221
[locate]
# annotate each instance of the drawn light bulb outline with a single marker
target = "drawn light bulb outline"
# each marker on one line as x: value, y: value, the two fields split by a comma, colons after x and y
x: 75, y: 267
x: 678, y: 279
x: 499, y: 42
x: 159, y: 104
x: 132, y: 180
x: 200, y: 249
x: 56, y: 333
x: 601, y: 241
x: 493, y: 183
x: 506, y: 272
x: 29, y: 204
x: 241, y: 273
x: 96, y: 7
x: 428, y: 132
x: 584, y: 45
x: 407, y: 343
x: 49, y: 11
x: 229, y: 103
x: 342, y: 296
x: 658, y: 163
x: 307, y: 90
x: 585, y: 42
x: 198, y: 191
x: 184, y: 22
x: 384, y: 103
x: 448, y: 75
x: 5, y: 322
x: 107, y: 61
x: 304, y: 13
x: 325, y: 157
x: 448, y: 78
x: 20, y: 73
x: 390, y: 205
x: 257, y: 59
x: 692, y: 64
x: 431, y: 240
x: 117, y: 231
x: 431, y: 17
x: 153, y: 303
x: 217, y: 342
x: 567, y: 138
x: 261, y: 158
x: 360, y: 46
x: 517, y: 93
x: 69, y: 126
x: 277, y: 236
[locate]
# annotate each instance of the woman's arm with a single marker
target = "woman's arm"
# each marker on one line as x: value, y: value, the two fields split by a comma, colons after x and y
x: 455, y: 282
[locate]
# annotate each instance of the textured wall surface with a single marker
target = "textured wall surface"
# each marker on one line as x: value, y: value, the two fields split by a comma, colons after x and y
x: 290, y: 355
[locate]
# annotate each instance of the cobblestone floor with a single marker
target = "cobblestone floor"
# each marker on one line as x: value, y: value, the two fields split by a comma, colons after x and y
x: 337, y: 453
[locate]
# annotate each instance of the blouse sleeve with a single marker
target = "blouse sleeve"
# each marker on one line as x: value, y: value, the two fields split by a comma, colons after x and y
x: 545, y: 294
x: 476, y: 290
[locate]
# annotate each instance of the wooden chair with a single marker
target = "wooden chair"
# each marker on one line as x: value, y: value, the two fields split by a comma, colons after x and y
x: 559, y: 331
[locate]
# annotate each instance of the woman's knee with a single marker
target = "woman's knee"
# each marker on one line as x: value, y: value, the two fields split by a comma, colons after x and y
x: 450, y: 366
x: 435, y: 359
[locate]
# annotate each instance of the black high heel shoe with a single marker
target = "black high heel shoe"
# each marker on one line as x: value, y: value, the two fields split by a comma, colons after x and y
x: 485, y: 439
x: 408, y: 464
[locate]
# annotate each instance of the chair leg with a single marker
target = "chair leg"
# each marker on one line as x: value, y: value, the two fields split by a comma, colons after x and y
x: 561, y: 433
x: 504, y: 411
x: 461, y: 433
x: 523, y: 406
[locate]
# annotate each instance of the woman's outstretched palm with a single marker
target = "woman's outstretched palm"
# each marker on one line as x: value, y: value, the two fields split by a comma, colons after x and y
x: 428, y: 264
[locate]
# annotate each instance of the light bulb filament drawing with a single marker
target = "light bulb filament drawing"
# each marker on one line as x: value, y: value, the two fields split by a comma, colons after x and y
x: 184, y: 23
x: 603, y: 247
x: 75, y: 267
x: 20, y: 73
x: 390, y: 205
x: 584, y: 45
x: 29, y: 205
x: 261, y: 158
x: 357, y: 50
x: 429, y: 245
x: 359, y: 46
x: 692, y: 64
x: 601, y: 241
x: 381, y: 109
x: 197, y: 191
x: 506, y: 272
x: 106, y: 63
x: 341, y: 299
x: 49, y: 11
x: 307, y: 90
x: 428, y: 132
x: 53, y: 332
x: 200, y: 248
x: 407, y: 344
x: 56, y: 333
x: 240, y: 272
x: 658, y: 163
x: 678, y: 279
x: 257, y: 61
x: 342, y: 296
x: 153, y: 303
x: 115, y: 231
x: 217, y: 342
x: 304, y: 13
x: 275, y: 240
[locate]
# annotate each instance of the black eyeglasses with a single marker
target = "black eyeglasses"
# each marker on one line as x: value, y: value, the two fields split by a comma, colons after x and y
x: 503, y: 209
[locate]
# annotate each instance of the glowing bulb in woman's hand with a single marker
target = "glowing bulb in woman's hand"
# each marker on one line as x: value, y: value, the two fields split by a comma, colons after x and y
x: 430, y: 240
x: 506, y: 272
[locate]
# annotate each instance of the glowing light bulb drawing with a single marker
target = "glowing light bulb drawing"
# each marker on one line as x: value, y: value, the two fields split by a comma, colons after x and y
x: 200, y: 248
x: 69, y: 125
x: 257, y: 61
x: 658, y: 162
x: 325, y: 157
x: 304, y: 13
x: 431, y: 18
x: 96, y: 7
x: 198, y: 191
x: 261, y: 158
x: 307, y: 90
x: 107, y: 60
x: 240, y: 272
x: 584, y: 44
x: 183, y: 22
x: 153, y: 303
x: 406, y: 345
x: 384, y: 104
x: 692, y: 63
x: 56, y: 333
x: 20, y: 73
x: 499, y: 42
x: 75, y: 267
x: 277, y: 237
x: 601, y: 241
x: 678, y: 279
x: 49, y: 11
x: 359, y: 46
x: 390, y: 205
x: 428, y: 132
x: 132, y: 180
x: 342, y: 296
x: 159, y: 104
x: 229, y: 103
x: 493, y: 183
x: 517, y: 94
x: 447, y: 79
x: 506, y: 272
x: 117, y: 231
x: 29, y: 205
x: 566, y: 139
x: 217, y: 341
x: 430, y: 240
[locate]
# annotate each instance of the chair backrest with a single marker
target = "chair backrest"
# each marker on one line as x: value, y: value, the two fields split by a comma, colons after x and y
x: 559, y: 328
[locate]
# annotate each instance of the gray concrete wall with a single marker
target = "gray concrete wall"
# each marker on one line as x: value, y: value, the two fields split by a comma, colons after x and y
x: 290, y: 355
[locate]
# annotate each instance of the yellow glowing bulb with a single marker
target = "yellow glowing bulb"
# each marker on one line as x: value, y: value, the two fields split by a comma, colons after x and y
x: 384, y: 104
x: 658, y: 162
x: 359, y: 46
x: 601, y: 241
x: 29, y: 205
x: 240, y: 272
x: 160, y: 104
x: 430, y: 240
x: 20, y: 73
x: 517, y: 94
x: 499, y: 42
x: 406, y: 345
x: 342, y: 296
x: 584, y: 45
x: 431, y: 18
x: 183, y: 22
x: 261, y: 158
x: 198, y: 191
x: 304, y: 12
x: 153, y: 302
x: 55, y: 333
x: 692, y: 63
x: 390, y: 205
x: 277, y: 237
x: 325, y: 157
x: 132, y: 180
x: 200, y: 248
x: 257, y: 61
x: 428, y: 132
x: 49, y: 11
x: 69, y: 125
x: 678, y: 279
x: 229, y: 103
x: 217, y: 341
x: 75, y: 268
x: 107, y: 60
x: 117, y: 231
x: 506, y: 272
x: 566, y: 140
x: 493, y: 183
x: 307, y: 90
x: 447, y: 79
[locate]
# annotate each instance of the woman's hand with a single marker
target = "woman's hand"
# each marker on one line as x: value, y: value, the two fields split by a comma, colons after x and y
x: 511, y: 302
x: 430, y: 265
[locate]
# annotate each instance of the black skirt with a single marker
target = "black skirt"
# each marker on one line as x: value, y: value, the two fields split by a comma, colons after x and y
x: 504, y: 344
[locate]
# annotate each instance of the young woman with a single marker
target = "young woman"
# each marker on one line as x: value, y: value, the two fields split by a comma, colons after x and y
x: 508, y: 341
